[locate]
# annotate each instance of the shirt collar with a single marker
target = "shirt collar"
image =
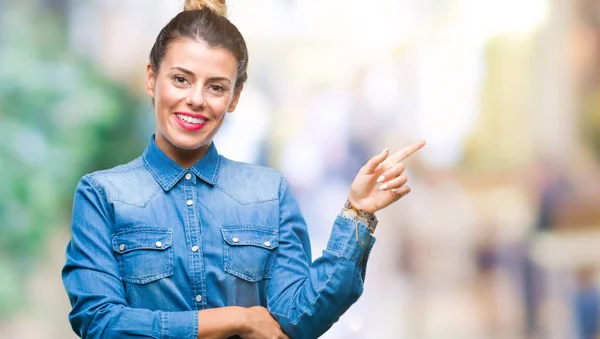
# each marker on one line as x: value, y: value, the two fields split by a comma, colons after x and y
x: 167, y: 172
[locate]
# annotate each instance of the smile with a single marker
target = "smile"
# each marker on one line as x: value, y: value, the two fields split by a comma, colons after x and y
x: 190, y: 120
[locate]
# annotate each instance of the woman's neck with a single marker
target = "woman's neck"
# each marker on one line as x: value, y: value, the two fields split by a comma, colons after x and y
x: 184, y: 158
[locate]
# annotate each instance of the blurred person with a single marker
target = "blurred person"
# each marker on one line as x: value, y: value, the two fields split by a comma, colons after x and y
x: 586, y: 305
x: 552, y: 190
x: 494, y: 284
x: 183, y: 242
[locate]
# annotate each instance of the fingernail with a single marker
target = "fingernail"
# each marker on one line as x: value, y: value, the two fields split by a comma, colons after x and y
x: 395, y: 190
x: 384, y: 151
x: 383, y: 187
x: 380, y: 179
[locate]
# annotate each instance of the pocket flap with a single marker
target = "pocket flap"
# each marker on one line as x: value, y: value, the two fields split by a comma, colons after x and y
x: 142, y: 238
x: 250, y: 235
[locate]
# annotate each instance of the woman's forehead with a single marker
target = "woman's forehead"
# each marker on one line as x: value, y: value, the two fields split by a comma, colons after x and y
x: 200, y: 58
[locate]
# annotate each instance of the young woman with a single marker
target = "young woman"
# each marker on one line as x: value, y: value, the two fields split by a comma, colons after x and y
x: 184, y: 243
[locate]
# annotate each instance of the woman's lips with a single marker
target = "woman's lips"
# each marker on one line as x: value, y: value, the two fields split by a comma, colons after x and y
x: 189, y: 121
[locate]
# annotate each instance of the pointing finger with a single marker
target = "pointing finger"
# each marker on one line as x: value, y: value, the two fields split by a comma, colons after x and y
x: 406, y: 152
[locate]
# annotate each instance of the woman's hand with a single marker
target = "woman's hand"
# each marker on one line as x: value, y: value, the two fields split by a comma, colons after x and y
x: 380, y: 181
x: 259, y: 324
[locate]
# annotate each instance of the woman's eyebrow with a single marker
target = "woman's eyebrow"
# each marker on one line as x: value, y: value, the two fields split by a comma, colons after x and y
x: 184, y: 70
x: 190, y: 73
x: 219, y: 79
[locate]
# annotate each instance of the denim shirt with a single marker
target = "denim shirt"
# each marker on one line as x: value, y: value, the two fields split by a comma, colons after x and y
x: 153, y: 243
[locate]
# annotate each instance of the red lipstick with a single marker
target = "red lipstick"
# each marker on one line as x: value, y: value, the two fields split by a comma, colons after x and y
x: 190, y: 121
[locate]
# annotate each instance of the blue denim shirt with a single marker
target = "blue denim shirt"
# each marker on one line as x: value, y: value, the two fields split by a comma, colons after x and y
x: 153, y: 243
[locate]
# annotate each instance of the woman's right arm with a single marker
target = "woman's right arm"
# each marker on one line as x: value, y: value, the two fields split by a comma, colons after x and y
x: 99, y: 305
x: 92, y: 280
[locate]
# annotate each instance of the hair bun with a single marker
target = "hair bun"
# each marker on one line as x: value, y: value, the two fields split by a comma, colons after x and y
x: 217, y: 6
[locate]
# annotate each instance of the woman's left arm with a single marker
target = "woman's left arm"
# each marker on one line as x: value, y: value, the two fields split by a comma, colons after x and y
x: 307, y: 297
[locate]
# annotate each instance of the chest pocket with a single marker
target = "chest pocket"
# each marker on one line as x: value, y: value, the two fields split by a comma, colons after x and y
x: 144, y: 254
x: 249, y: 251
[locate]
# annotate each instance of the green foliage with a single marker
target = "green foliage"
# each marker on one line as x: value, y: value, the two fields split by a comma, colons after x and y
x: 60, y: 117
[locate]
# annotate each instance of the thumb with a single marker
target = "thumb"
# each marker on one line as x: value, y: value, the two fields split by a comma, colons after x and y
x: 371, y: 165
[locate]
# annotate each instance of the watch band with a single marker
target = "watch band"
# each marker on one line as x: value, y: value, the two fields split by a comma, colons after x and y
x: 362, y: 213
x: 352, y: 212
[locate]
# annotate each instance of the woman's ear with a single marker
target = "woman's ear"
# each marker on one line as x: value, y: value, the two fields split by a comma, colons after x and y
x: 150, y: 81
x: 236, y: 98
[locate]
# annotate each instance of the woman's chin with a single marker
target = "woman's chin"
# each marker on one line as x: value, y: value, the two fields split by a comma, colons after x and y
x: 189, y: 144
x: 183, y: 140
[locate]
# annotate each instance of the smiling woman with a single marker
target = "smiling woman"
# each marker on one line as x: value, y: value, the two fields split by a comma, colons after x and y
x: 193, y: 89
x: 184, y: 243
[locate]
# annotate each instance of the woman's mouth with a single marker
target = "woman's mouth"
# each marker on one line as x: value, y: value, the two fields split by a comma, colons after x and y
x: 189, y: 122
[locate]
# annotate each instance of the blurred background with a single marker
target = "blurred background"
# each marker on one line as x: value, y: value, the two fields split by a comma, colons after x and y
x: 501, y: 235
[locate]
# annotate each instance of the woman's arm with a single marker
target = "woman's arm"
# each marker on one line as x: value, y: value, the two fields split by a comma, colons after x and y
x: 92, y: 280
x: 308, y: 297
x: 249, y: 323
x: 100, y: 308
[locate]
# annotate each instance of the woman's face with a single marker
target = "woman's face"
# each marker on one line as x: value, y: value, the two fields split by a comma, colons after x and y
x: 192, y: 92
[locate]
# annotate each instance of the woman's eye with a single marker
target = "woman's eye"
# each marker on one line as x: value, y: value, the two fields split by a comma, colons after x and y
x: 217, y: 88
x: 179, y: 80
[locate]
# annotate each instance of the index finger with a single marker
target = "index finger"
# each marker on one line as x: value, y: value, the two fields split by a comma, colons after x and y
x: 406, y: 152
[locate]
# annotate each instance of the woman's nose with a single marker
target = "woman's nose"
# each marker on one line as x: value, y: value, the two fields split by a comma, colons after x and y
x: 195, y: 99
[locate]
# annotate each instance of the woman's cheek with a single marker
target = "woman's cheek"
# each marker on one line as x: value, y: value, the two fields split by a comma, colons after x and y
x: 173, y: 95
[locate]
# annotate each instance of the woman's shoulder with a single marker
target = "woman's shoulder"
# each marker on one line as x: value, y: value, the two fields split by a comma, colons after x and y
x: 249, y: 181
x: 120, y: 179
x: 118, y: 170
x: 248, y: 168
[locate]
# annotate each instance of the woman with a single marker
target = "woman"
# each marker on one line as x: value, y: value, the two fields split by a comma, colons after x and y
x: 184, y: 243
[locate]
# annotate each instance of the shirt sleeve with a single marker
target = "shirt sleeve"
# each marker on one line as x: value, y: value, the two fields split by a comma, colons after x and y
x: 307, y: 297
x: 92, y: 280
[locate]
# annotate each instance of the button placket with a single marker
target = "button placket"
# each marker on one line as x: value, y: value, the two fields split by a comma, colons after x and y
x: 193, y: 226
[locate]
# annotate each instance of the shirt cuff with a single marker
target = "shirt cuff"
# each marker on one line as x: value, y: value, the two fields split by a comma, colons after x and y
x: 343, y: 239
x: 179, y: 324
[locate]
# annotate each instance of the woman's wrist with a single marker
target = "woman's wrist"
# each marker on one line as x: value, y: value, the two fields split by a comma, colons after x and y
x: 222, y: 322
x: 359, y: 215
x: 242, y: 320
x: 358, y: 205
x: 360, y: 210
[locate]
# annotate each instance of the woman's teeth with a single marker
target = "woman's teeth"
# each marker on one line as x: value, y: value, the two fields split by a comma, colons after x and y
x: 190, y: 119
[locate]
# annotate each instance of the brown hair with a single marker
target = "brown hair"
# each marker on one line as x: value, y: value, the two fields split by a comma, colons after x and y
x: 203, y: 20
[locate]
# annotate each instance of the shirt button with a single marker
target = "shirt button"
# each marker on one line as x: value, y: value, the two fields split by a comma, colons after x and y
x: 190, y: 202
x: 194, y: 248
x: 188, y: 176
x: 235, y: 240
x: 122, y: 247
x: 267, y: 243
x: 198, y: 298
x: 158, y: 244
